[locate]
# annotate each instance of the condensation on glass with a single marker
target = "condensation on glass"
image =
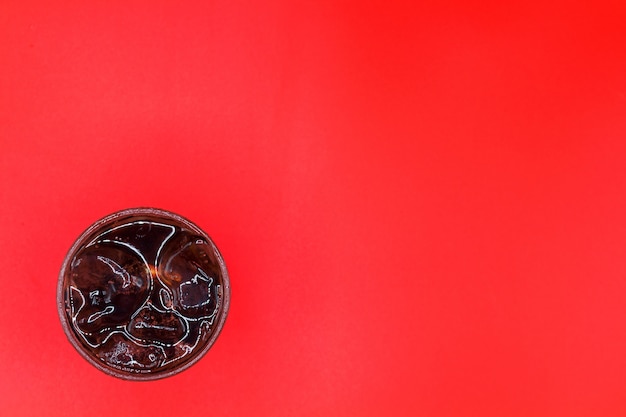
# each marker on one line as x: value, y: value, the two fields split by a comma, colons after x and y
x: 143, y: 294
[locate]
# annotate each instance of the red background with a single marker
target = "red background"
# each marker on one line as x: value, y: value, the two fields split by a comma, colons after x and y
x: 421, y: 204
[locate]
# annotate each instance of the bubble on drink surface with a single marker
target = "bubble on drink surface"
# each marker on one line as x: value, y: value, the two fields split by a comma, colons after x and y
x: 143, y: 294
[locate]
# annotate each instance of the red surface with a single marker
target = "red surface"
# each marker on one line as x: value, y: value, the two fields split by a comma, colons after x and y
x: 422, y: 206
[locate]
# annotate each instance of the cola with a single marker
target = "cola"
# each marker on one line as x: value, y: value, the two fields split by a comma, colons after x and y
x: 143, y: 294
